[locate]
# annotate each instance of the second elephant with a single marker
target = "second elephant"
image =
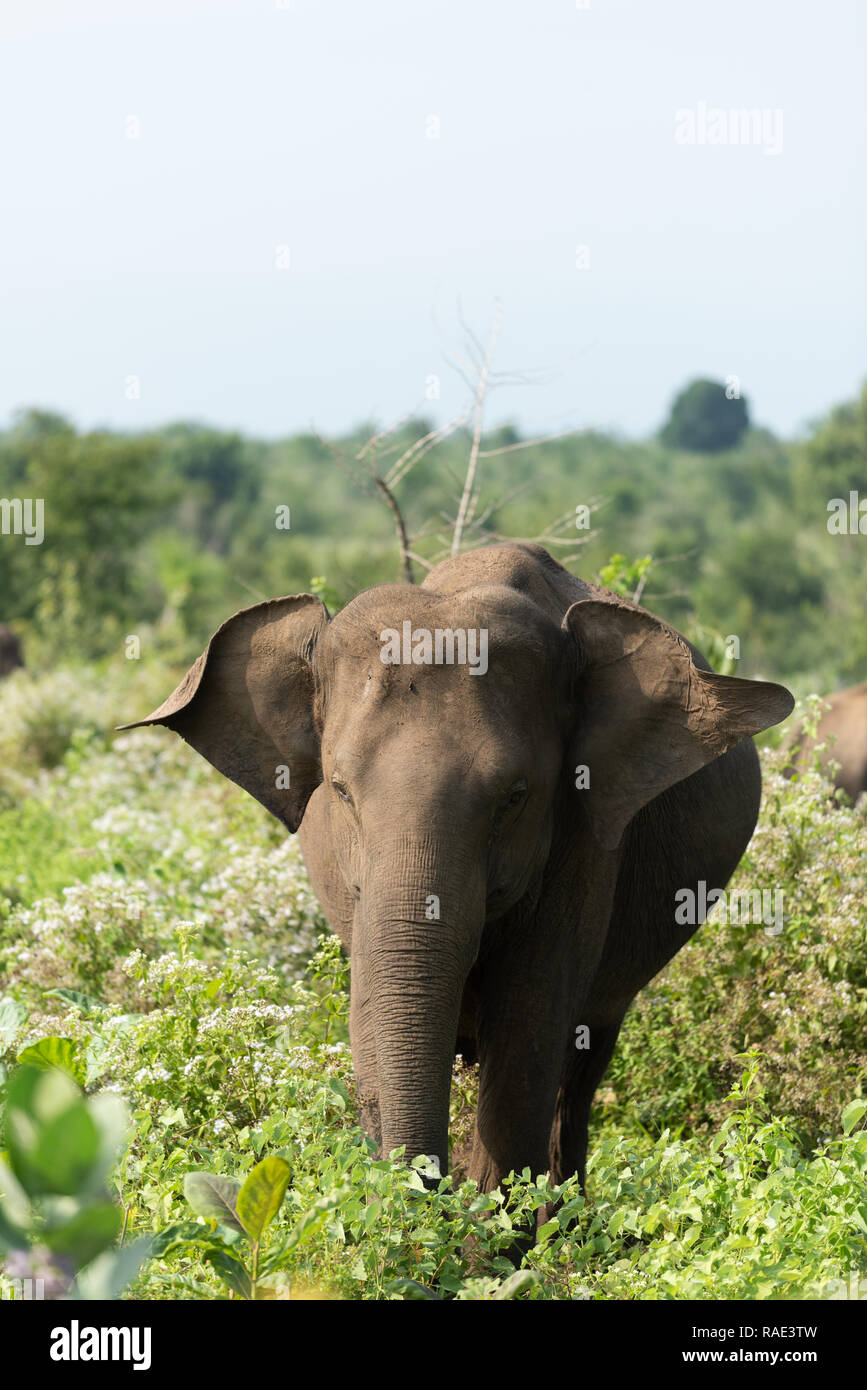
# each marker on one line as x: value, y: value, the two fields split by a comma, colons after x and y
x: 845, y: 725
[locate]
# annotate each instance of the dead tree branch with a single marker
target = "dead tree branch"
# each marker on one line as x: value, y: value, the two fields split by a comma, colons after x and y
x: 478, y: 412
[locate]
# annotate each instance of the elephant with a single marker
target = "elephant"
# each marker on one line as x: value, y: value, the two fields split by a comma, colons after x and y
x: 846, y: 720
x: 498, y: 849
x: 10, y: 651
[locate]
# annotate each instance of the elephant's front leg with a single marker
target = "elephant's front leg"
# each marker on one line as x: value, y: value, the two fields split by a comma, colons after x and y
x: 532, y: 979
x: 522, y: 1032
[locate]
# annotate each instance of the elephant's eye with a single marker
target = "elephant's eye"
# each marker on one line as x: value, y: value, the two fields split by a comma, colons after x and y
x: 341, y: 789
x: 517, y: 794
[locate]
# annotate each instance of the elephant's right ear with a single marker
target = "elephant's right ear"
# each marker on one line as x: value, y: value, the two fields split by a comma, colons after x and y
x: 247, y: 703
x: 649, y: 716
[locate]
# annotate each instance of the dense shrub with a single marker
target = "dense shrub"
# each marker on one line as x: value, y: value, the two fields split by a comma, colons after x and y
x: 168, y: 951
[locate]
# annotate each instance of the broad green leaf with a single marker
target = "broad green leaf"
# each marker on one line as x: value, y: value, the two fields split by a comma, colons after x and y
x: 85, y: 1002
x: 11, y: 1236
x: 262, y: 1194
x: 411, y: 1289
x: 111, y: 1115
x: 517, y: 1283
x: 230, y: 1270
x: 214, y: 1197
x: 172, y: 1115
x: 93, y: 1063
x: 60, y: 1053
x: 314, y: 1219
x: 15, y: 1212
x: 178, y: 1236
x: 854, y: 1112
x: 14, y: 1202
x: 107, y: 1276
x: 570, y: 1209
x: 54, y: 1141
x: 183, y: 1233
x: 485, y: 1202
x: 12, y: 1016
x: 82, y: 1238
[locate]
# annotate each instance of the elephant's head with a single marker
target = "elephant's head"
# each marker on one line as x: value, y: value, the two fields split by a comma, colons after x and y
x: 444, y: 788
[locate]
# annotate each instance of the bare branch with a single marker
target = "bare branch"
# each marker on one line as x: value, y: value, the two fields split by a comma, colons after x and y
x: 420, y: 560
x: 382, y: 487
x: 410, y: 457
x: 262, y: 598
x: 479, y: 409
x: 400, y: 527
x: 559, y: 540
x: 495, y: 506
x: 670, y: 559
x: 340, y: 459
x: 471, y: 336
x: 384, y: 434
x: 528, y: 443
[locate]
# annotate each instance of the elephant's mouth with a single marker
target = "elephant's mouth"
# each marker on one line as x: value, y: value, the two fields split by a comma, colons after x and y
x: 502, y: 895
x: 500, y: 901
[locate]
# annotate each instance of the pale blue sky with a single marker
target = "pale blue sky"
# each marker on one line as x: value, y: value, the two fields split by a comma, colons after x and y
x: 306, y: 126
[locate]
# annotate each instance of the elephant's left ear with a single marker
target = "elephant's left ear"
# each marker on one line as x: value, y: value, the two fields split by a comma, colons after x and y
x: 649, y: 717
x: 247, y: 703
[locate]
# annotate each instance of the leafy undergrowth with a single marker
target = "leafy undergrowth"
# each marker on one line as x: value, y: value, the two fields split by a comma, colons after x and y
x: 223, y: 1073
x: 178, y: 1014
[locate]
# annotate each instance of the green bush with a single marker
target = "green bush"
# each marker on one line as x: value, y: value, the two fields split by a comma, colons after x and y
x: 168, y: 952
x: 58, y: 1226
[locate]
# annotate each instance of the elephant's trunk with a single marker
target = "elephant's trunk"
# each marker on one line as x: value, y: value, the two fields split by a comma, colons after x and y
x: 420, y: 932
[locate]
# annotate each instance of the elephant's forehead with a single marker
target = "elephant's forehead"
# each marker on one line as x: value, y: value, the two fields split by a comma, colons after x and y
x: 509, y: 621
x: 481, y: 658
x: 507, y: 686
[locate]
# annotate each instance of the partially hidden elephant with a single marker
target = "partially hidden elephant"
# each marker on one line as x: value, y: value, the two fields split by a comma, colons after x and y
x: 844, y: 728
x: 501, y: 779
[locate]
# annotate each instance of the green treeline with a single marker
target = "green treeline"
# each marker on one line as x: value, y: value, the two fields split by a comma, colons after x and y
x: 163, y: 534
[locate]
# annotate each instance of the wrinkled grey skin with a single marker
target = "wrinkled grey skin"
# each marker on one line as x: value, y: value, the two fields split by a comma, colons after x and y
x: 846, y: 724
x: 419, y: 783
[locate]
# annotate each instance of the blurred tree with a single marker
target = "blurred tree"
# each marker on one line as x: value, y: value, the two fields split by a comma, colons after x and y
x: 33, y: 423
x: 766, y: 568
x: 219, y: 474
x: 173, y: 531
x: 101, y: 495
x: 836, y: 456
x: 705, y: 420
